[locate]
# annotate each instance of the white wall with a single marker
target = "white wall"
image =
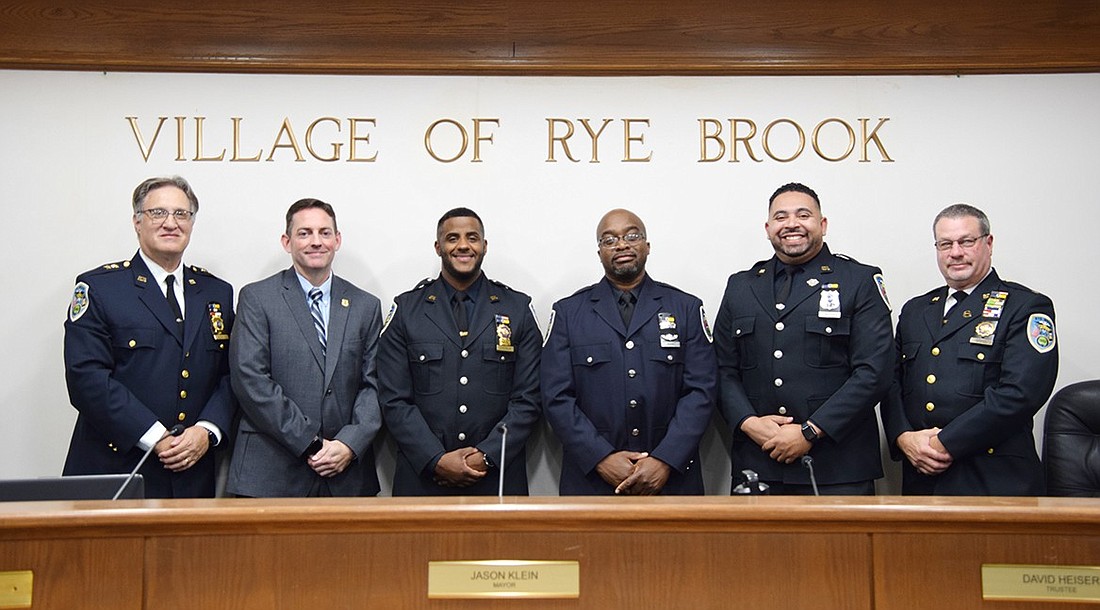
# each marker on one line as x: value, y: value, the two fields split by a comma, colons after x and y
x: 1023, y: 148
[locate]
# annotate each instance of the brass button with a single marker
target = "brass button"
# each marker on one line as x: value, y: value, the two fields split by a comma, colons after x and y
x: 931, y: 379
x: 182, y: 416
x: 132, y: 343
x: 185, y: 373
x: 981, y: 356
x: 930, y: 407
x: 935, y: 351
x: 183, y: 393
x: 990, y: 451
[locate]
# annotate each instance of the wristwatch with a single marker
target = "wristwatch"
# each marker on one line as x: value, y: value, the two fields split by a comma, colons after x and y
x: 808, y: 432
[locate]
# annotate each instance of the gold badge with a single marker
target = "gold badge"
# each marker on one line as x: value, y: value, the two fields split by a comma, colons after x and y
x: 504, y: 334
x: 217, y: 324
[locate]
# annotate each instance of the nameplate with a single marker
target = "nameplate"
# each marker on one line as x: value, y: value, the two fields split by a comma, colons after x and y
x: 500, y: 578
x: 16, y: 588
x: 1041, y: 583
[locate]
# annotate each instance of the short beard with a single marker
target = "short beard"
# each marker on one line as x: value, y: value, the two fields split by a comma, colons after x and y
x: 625, y: 274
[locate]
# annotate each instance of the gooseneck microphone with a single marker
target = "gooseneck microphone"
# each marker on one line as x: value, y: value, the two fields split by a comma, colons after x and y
x: 808, y: 462
x: 503, y: 448
x: 175, y: 430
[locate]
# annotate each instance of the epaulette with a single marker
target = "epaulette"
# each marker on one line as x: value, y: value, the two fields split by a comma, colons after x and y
x: 670, y: 287
x: 501, y: 284
x: 108, y: 267
x: 1017, y: 286
x: 424, y: 282
x: 585, y: 289
x: 200, y: 270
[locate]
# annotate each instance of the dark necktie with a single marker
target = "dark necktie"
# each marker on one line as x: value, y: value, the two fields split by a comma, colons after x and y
x: 959, y: 297
x: 626, y: 306
x: 458, y: 302
x: 173, y: 304
x: 784, y: 282
x: 318, y: 319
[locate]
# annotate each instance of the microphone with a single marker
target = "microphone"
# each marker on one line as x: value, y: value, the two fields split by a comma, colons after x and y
x: 503, y: 447
x: 175, y: 430
x: 808, y: 463
x: 751, y: 485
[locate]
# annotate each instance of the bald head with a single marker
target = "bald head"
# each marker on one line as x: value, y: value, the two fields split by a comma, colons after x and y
x: 619, y: 218
x: 623, y: 248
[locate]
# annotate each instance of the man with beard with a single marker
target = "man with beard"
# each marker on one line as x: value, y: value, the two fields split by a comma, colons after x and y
x: 628, y: 375
x: 458, y: 369
x: 977, y: 360
x: 805, y: 352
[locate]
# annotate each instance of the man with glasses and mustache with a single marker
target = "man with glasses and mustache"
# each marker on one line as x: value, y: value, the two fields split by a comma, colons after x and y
x: 805, y: 352
x: 628, y: 375
x: 146, y: 345
x: 977, y: 359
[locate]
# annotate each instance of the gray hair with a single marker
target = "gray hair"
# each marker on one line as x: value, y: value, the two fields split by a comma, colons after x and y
x: 959, y: 210
x: 142, y: 191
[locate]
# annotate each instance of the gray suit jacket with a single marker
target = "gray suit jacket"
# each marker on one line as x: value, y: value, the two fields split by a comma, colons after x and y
x: 289, y: 392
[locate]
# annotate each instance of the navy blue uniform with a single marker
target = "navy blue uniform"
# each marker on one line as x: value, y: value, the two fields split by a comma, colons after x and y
x: 801, y: 362
x: 128, y: 364
x: 608, y: 388
x: 441, y: 392
x: 980, y: 378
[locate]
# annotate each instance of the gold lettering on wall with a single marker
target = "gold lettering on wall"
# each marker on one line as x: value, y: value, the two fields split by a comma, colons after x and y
x: 788, y: 142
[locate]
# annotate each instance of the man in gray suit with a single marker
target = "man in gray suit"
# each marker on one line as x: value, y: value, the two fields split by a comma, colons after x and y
x: 302, y: 365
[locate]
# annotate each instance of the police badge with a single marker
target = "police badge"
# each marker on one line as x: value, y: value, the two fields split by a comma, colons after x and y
x: 504, y: 334
x: 217, y: 324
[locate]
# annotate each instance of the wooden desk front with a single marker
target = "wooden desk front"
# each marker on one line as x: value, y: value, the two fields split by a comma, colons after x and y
x: 887, y: 553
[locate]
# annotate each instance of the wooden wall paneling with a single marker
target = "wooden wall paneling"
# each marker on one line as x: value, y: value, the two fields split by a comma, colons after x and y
x: 564, y: 37
x: 78, y: 573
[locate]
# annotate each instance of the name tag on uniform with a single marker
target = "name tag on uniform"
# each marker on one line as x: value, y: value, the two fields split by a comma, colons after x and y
x: 666, y: 323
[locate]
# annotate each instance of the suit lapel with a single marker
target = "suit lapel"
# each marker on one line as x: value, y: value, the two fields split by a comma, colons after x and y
x: 337, y: 325
x: 763, y: 288
x: 151, y: 296
x: 973, y: 304
x: 485, y: 313
x: 933, y: 314
x: 195, y: 309
x: 607, y: 308
x: 649, y: 302
x: 439, y: 311
x: 296, y: 303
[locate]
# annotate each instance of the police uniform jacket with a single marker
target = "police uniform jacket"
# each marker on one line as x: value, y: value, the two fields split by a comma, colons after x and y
x: 290, y: 392
x: 607, y: 387
x: 442, y: 392
x: 980, y: 383
x: 128, y: 364
x: 799, y: 363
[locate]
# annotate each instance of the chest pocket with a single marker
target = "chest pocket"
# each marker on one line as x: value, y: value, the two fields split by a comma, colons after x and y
x: 125, y: 340
x: 827, y: 341
x: 745, y: 340
x: 499, y: 369
x: 426, y: 366
x: 590, y: 355
x: 908, y: 356
x: 976, y: 364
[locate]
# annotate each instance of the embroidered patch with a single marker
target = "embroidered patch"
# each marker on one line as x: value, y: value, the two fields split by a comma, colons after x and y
x: 881, y: 283
x: 81, y: 302
x: 1040, y: 332
x: 706, y: 325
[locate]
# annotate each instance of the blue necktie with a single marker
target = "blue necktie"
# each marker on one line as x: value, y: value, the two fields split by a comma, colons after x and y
x: 318, y: 319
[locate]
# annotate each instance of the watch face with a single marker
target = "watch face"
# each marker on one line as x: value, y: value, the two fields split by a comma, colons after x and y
x: 808, y: 433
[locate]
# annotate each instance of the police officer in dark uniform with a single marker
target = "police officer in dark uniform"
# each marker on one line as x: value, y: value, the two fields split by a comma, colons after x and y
x: 628, y: 376
x: 805, y: 353
x: 458, y: 372
x: 977, y: 359
x: 146, y: 346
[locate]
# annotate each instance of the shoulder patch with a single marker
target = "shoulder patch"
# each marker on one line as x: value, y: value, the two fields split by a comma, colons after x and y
x: 549, y: 326
x: 200, y: 270
x: 80, y: 303
x: 880, y: 282
x: 1040, y: 332
x: 706, y: 325
x: 389, y: 318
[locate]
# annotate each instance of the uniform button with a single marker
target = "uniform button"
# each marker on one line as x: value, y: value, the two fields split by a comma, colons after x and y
x: 737, y: 332
x: 629, y: 345
x: 182, y: 416
x: 328, y: 392
x: 780, y: 306
x: 185, y: 373
x: 188, y: 354
x: 463, y: 380
x: 782, y: 410
x: 935, y: 351
x: 464, y: 353
x: 981, y: 356
x: 779, y: 326
x: 669, y: 357
x: 778, y: 382
x: 633, y: 404
x: 422, y: 357
x: 828, y: 330
x: 461, y: 408
x: 635, y: 432
x: 132, y: 343
x: 220, y: 346
x: 631, y: 373
x: 930, y: 407
x: 930, y: 379
x: 461, y: 436
x: 989, y: 451
x: 588, y: 360
x: 183, y: 393
x: 778, y: 354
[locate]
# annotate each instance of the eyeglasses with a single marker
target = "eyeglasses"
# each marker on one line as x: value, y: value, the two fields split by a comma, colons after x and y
x: 161, y: 214
x: 965, y: 243
x: 610, y: 241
